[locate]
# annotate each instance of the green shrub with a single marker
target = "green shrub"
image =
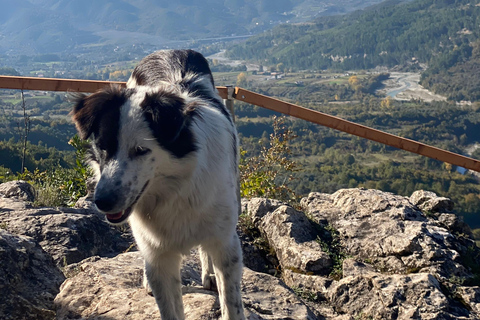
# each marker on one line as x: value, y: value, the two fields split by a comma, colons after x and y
x: 267, y: 175
x: 61, y: 186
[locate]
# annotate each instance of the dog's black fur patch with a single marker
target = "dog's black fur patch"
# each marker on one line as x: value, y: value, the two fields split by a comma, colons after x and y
x: 169, y: 120
x: 99, y: 115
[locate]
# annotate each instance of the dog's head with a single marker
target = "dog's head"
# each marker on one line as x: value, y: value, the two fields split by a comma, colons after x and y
x: 136, y: 135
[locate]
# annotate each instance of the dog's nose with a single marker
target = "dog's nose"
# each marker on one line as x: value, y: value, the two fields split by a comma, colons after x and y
x: 105, y: 204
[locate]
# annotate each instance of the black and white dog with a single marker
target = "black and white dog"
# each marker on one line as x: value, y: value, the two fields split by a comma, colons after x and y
x: 165, y: 153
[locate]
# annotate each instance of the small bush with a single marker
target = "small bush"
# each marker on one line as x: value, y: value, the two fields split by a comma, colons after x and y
x: 267, y: 175
x: 61, y: 186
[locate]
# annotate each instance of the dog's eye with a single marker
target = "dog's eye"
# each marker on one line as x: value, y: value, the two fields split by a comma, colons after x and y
x: 141, y: 151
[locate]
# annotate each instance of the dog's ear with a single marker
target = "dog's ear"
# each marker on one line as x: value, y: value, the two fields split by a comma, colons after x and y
x: 166, y: 115
x: 88, y: 111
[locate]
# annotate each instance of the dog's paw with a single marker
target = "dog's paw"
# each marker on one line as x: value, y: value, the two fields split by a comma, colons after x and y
x: 209, y: 282
x: 147, y: 287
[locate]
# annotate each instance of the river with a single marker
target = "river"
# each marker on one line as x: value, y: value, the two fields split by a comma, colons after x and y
x: 405, y: 86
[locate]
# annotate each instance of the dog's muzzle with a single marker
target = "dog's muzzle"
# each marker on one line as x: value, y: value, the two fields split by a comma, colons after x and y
x: 104, y: 205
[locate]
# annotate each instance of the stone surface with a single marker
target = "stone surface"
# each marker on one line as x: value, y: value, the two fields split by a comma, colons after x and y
x: 69, y: 235
x: 111, y: 288
x: 313, y: 284
x: 18, y: 189
x: 29, y: 279
x: 388, y: 260
x: 415, y: 296
x: 390, y: 231
x: 257, y: 208
x: 106, y: 288
x: 470, y: 296
x: 429, y: 201
x: 294, y: 240
x: 353, y: 268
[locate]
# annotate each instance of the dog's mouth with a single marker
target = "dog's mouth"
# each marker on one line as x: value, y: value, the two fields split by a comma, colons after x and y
x: 120, y: 217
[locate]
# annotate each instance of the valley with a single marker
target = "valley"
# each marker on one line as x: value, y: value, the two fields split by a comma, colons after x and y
x: 296, y: 62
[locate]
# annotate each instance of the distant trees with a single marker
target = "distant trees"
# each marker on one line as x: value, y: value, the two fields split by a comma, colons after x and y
x: 456, y: 73
x: 241, y: 80
x: 386, y: 103
x: 120, y: 75
x: 6, y: 71
x: 353, y: 81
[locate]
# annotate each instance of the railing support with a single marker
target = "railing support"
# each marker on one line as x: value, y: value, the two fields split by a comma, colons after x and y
x: 229, y: 101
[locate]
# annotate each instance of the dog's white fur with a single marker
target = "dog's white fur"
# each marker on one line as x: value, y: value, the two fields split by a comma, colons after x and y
x: 177, y: 202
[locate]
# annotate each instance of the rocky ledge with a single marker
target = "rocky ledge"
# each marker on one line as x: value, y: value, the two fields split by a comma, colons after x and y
x: 354, y: 254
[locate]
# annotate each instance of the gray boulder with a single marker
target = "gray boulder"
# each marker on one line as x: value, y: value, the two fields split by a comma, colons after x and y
x: 18, y: 189
x: 397, y: 262
x: 68, y: 235
x: 414, y: 296
x: 429, y: 201
x: 294, y: 240
x: 29, y: 279
x: 390, y: 232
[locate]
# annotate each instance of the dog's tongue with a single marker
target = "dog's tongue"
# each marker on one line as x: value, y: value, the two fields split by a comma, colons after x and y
x: 115, y: 216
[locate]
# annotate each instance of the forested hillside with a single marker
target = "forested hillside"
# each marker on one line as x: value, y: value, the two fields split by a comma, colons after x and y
x: 456, y: 73
x: 442, y: 34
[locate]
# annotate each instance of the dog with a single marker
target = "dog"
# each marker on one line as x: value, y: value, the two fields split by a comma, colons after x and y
x: 165, y: 155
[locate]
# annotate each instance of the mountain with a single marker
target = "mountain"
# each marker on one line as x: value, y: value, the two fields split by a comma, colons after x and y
x: 46, y: 26
x: 391, y: 33
x: 388, y: 34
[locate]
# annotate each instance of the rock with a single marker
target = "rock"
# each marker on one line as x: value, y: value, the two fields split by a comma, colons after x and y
x: 267, y: 297
x: 69, y: 235
x: 259, y: 207
x: 389, y: 231
x: 470, y: 296
x: 18, y: 189
x: 106, y: 288
x: 387, y: 258
x: 314, y: 284
x: 454, y: 223
x: 86, y: 202
x: 9, y: 204
x: 255, y: 256
x: 294, y: 240
x: 429, y: 201
x: 353, y: 268
x: 101, y: 288
x: 414, y: 296
x: 29, y: 279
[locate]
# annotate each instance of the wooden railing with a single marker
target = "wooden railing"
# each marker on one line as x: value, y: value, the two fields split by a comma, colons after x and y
x: 229, y: 93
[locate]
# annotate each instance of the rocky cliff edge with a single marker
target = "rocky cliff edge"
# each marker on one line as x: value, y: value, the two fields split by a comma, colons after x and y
x: 354, y: 254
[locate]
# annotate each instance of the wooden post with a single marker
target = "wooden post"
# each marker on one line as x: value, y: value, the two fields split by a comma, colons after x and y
x: 229, y: 101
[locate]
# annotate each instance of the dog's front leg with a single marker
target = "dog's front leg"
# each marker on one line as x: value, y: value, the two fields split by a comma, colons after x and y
x: 227, y: 262
x: 208, y: 276
x: 163, y: 274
